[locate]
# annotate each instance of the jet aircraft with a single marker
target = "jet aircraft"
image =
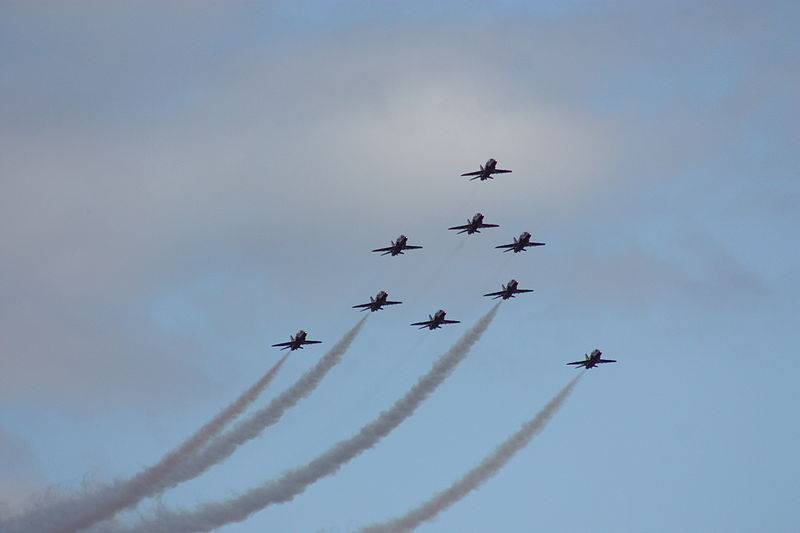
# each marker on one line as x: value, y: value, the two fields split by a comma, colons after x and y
x: 592, y: 360
x: 435, y: 321
x: 520, y: 244
x: 474, y: 225
x: 397, y: 247
x: 486, y: 171
x: 509, y: 290
x: 297, y: 341
x: 376, y: 303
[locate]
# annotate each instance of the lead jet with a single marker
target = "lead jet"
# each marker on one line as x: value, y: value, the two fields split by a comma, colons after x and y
x: 297, y: 341
x: 486, y: 171
x: 509, y: 290
x: 592, y: 360
x: 435, y: 321
x: 397, y: 247
x: 376, y: 303
x: 474, y: 225
x: 520, y: 244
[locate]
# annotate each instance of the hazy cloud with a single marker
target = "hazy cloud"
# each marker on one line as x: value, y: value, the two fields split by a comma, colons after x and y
x: 19, y: 476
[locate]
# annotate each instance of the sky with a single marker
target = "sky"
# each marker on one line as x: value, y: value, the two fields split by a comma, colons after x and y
x: 184, y: 185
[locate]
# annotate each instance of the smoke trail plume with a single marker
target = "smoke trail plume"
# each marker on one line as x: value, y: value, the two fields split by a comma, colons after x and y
x: 210, y: 516
x: 477, y: 476
x: 251, y: 427
x: 103, y: 502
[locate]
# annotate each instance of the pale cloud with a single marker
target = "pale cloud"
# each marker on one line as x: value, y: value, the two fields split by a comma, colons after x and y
x: 109, y: 217
x: 182, y: 188
x: 19, y: 477
x: 693, y: 272
x: 97, y: 220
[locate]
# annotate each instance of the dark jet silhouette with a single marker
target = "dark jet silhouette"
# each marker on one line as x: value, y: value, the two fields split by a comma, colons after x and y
x: 509, y: 290
x: 297, y: 341
x: 435, y: 321
x: 397, y: 247
x: 376, y: 303
x: 486, y: 171
x: 473, y: 225
x: 520, y: 244
x: 592, y: 360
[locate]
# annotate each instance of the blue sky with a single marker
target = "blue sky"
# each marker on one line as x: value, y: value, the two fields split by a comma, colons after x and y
x: 182, y: 187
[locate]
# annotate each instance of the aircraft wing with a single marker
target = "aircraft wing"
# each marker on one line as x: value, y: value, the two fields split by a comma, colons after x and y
x: 387, y: 249
x: 451, y: 322
x: 407, y: 247
x: 476, y: 173
x: 523, y: 290
x: 425, y: 323
x: 391, y: 303
x: 365, y: 306
x: 465, y: 226
x: 311, y: 342
x: 284, y: 344
x: 577, y: 363
x: 489, y: 226
x: 606, y: 361
x: 509, y: 246
x: 496, y: 171
x: 497, y: 294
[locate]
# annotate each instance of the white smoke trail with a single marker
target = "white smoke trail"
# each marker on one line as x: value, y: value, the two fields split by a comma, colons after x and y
x: 224, y: 445
x: 473, y: 479
x: 103, y: 502
x: 251, y: 427
x: 209, y: 516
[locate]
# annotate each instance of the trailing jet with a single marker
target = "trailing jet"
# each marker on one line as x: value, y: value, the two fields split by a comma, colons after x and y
x: 435, y: 321
x: 509, y: 290
x: 592, y: 360
x: 376, y: 303
x: 474, y: 225
x: 520, y: 244
x: 397, y: 247
x: 486, y: 171
x: 297, y: 341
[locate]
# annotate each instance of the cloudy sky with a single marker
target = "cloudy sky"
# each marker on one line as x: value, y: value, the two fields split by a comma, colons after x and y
x: 182, y: 185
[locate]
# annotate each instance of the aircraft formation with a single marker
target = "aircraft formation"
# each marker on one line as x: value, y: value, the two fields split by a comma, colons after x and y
x: 436, y: 320
x: 209, y: 445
